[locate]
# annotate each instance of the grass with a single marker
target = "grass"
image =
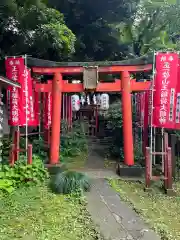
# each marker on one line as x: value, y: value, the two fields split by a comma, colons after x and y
x: 160, y: 211
x: 37, y: 214
x: 76, y: 162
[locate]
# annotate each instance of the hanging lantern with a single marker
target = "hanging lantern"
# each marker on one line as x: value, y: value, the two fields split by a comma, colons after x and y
x: 88, y: 100
x: 94, y: 99
x: 104, y: 101
x: 98, y: 99
x: 83, y: 100
x: 75, y: 101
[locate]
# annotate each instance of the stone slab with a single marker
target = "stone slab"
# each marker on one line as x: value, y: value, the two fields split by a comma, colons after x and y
x: 117, y: 221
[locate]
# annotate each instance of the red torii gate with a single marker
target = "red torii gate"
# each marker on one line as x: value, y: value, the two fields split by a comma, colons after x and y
x: 126, y: 85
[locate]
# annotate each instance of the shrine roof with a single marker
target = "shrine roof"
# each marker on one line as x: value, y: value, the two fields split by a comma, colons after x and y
x: 6, y: 82
x: 35, y: 62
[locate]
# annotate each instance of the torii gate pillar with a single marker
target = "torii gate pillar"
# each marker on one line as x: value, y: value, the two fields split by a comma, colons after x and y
x: 127, y: 118
x: 56, y: 118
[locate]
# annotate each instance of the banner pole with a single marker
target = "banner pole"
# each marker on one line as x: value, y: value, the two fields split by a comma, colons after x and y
x: 154, y: 145
x: 151, y: 127
x: 40, y: 113
x: 162, y: 135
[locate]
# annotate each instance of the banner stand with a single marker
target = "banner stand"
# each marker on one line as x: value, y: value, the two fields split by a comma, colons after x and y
x: 164, y: 92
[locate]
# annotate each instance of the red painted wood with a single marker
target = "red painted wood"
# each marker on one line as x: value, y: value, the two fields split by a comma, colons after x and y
x: 101, y: 87
x: 75, y: 70
x: 56, y: 119
x: 29, y: 160
x: 127, y: 119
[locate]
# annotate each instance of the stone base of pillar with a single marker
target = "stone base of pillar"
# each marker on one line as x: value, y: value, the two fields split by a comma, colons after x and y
x: 53, y: 169
x: 135, y: 171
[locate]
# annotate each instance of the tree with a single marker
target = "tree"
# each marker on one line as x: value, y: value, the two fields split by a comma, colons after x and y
x: 29, y: 27
x: 148, y: 31
x: 89, y: 20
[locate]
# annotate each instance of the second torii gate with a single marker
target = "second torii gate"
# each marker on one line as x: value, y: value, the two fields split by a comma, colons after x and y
x: 126, y: 85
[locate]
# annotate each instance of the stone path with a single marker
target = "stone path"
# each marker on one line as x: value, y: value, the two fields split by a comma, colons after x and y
x: 117, y: 221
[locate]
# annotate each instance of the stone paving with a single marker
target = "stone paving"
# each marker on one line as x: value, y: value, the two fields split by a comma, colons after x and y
x: 116, y: 220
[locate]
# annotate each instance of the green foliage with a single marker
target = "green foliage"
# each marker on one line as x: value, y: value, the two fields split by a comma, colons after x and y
x: 120, y: 29
x: 53, y: 37
x: 147, y: 31
x: 37, y: 213
x: 113, y: 117
x: 39, y: 149
x: 31, y: 27
x: 90, y: 23
x: 22, y: 174
x: 67, y: 182
x: 73, y: 142
x: 6, y: 144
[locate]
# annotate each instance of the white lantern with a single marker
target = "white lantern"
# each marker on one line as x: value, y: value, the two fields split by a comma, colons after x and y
x: 83, y: 100
x: 104, y: 101
x: 98, y: 99
x: 94, y: 99
x: 88, y: 100
x: 75, y: 102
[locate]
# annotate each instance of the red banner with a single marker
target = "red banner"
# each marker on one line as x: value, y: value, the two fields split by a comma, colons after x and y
x: 165, y: 90
x: 33, y: 111
x: 47, y: 110
x: 15, y: 71
x: 177, y: 113
x: 138, y: 107
x: 21, y: 101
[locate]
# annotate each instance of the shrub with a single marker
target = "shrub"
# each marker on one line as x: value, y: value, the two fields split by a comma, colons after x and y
x: 22, y: 174
x: 6, y: 144
x: 67, y: 182
x: 73, y: 142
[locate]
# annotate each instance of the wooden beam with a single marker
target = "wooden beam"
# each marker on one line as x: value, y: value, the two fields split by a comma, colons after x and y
x: 77, y: 70
x: 101, y: 87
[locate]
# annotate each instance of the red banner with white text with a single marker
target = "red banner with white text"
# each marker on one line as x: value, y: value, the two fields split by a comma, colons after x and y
x: 164, y: 92
x: 33, y: 103
x: 20, y: 100
x: 177, y: 100
x: 15, y: 71
x: 47, y: 109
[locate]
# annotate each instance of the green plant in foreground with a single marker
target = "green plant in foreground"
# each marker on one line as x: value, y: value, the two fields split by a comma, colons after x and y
x: 22, y: 174
x: 67, y: 182
x: 37, y: 213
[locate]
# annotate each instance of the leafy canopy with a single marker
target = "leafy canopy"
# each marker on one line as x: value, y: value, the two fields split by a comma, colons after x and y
x: 31, y: 27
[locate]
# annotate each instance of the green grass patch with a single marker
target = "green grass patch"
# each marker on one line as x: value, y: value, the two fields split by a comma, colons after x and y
x: 37, y: 214
x: 76, y: 162
x: 160, y: 211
